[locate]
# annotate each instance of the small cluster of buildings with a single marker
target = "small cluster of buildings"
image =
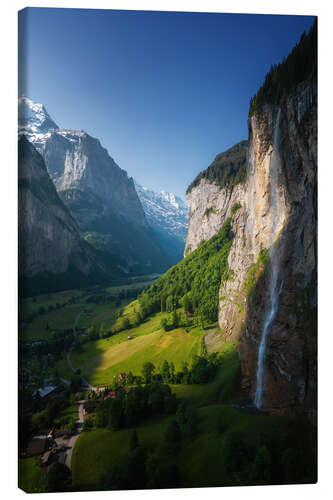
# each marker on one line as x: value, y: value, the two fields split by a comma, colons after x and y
x: 90, y: 406
x: 46, y: 445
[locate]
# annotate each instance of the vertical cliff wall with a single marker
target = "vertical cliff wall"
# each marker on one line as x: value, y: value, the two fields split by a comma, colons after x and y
x: 213, y: 194
x: 289, y: 381
x: 285, y: 217
x: 99, y: 195
x: 52, y: 254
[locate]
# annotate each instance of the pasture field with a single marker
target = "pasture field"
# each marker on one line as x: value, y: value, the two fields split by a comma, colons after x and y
x: 32, y: 304
x: 102, y: 359
x: 200, y: 459
x: 146, y: 281
x: 60, y: 309
x: 30, y: 476
x: 41, y: 326
x: 97, y: 450
x: 225, y: 386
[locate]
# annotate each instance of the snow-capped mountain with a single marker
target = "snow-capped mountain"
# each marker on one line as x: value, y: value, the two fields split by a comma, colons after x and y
x: 100, y: 195
x: 34, y: 122
x: 167, y: 214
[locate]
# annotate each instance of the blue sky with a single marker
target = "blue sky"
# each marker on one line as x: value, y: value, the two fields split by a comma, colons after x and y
x: 164, y: 92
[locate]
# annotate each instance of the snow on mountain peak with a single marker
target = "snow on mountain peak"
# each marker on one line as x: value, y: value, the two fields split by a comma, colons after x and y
x: 34, y: 114
x: 34, y: 121
x: 164, y: 210
x: 173, y: 199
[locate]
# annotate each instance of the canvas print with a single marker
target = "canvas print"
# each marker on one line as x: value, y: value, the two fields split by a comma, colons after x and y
x: 167, y: 250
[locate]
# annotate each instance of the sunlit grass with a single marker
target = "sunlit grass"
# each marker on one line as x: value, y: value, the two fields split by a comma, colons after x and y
x: 102, y: 359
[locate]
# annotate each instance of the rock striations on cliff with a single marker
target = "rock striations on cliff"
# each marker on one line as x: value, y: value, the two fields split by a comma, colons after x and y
x: 52, y: 254
x: 213, y: 193
x: 98, y: 193
x: 288, y: 218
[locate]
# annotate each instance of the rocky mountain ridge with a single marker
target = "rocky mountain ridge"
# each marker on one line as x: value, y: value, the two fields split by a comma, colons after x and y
x: 167, y: 214
x: 52, y: 254
x: 98, y: 193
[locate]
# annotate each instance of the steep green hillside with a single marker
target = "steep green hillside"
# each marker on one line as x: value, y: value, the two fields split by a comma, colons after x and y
x: 194, y: 282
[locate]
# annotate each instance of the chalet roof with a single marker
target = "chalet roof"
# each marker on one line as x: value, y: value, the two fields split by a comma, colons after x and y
x: 36, y: 446
x: 91, y: 405
x: 44, y: 391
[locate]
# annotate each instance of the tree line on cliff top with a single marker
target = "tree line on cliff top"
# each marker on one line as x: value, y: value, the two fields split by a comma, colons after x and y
x: 282, y: 79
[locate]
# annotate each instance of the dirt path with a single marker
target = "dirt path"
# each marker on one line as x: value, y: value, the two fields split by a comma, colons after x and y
x: 70, y: 443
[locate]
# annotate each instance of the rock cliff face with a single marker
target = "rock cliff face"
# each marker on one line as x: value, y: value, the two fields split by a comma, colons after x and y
x: 282, y: 146
x: 52, y: 254
x: 210, y: 206
x: 77, y: 161
x: 211, y: 201
x: 99, y: 195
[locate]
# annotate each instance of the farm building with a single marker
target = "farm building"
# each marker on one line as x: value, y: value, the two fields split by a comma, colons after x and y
x: 37, y: 447
x: 90, y: 406
x: 50, y: 392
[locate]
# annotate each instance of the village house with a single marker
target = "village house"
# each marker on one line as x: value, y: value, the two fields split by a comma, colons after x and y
x: 37, y: 446
x: 110, y: 395
x: 51, y: 392
x: 90, y: 406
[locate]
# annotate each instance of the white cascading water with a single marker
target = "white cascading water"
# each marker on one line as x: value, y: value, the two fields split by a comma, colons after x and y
x: 275, y: 287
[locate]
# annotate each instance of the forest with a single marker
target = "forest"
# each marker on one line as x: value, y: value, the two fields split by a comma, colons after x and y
x: 193, y: 283
x: 283, y: 78
x: 227, y: 170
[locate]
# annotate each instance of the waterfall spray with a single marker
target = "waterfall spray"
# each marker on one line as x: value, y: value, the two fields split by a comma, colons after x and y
x: 275, y: 287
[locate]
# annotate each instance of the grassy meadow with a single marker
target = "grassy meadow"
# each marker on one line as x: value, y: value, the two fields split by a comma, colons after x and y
x: 30, y: 476
x: 200, y: 459
x: 62, y: 309
x: 224, y: 433
x: 102, y: 359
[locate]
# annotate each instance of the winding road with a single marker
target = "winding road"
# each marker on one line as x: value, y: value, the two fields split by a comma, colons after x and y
x: 70, y: 443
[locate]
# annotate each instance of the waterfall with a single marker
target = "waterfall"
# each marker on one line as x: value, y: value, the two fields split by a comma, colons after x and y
x: 275, y: 287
